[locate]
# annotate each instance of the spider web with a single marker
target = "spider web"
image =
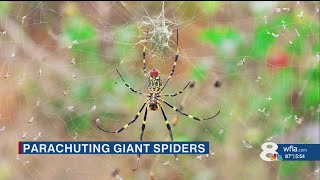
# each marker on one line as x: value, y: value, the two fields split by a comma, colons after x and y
x: 58, y: 78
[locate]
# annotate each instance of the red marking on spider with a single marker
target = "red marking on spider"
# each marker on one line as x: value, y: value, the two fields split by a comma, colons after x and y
x: 154, y: 73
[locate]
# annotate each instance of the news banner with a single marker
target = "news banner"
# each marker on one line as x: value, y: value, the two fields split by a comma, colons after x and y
x: 113, y: 147
x: 270, y: 151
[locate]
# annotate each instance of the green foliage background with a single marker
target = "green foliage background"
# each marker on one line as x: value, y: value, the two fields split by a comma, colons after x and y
x: 99, y: 48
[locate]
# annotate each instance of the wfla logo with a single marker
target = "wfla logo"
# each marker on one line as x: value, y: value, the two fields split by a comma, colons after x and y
x: 269, y: 148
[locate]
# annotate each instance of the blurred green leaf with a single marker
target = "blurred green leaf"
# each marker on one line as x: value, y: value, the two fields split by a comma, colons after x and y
x: 219, y: 34
x: 130, y: 101
x: 304, y: 31
x: 199, y: 72
x: 183, y: 137
x: 81, y: 91
x: 291, y: 169
x: 78, y: 28
x: 315, y: 31
x: 5, y: 7
x: 219, y: 137
x: 208, y: 6
x: 311, y: 95
x: 108, y: 85
x: 226, y: 42
x: 78, y: 124
x: 123, y: 36
x: 313, y: 74
x: 86, y: 50
x: 316, y: 47
x: 314, y: 28
x: 263, y: 40
x: 283, y: 84
x: 297, y: 47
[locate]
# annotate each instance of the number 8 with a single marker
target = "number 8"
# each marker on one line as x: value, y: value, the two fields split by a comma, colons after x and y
x: 266, y: 150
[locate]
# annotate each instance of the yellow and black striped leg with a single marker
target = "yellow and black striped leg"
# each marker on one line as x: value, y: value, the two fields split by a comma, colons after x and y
x: 144, y: 61
x: 145, y: 66
x: 125, y: 126
x: 133, y: 90
x: 175, y: 62
x: 189, y: 116
x: 171, y: 136
x: 141, y: 135
x: 172, y: 95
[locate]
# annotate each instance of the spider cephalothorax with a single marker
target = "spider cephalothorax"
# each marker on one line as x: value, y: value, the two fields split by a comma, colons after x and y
x: 154, y: 99
x: 155, y: 83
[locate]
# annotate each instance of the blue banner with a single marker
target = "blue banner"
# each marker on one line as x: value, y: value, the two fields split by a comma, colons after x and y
x: 299, y: 152
x: 290, y: 152
x: 89, y: 147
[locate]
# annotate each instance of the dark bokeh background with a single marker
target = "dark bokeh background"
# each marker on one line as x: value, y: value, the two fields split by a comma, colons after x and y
x: 256, y: 62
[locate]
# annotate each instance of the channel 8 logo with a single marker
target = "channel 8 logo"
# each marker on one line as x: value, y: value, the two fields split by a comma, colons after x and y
x: 270, y: 148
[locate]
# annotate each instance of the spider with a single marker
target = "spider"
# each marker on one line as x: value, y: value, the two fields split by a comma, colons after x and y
x: 154, y: 100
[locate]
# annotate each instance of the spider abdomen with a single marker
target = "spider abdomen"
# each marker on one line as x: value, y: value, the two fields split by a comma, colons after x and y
x: 153, y: 106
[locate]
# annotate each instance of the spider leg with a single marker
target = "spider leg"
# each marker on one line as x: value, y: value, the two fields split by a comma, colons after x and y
x: 171, y: 136
x: 144, y: 65
x: 125, y: 126
x: 141, y: 136
x: 172, y: 95
x: 144, y: 62
x: 175, y: 62
x: 189, y: 116
x: 133, y: 90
